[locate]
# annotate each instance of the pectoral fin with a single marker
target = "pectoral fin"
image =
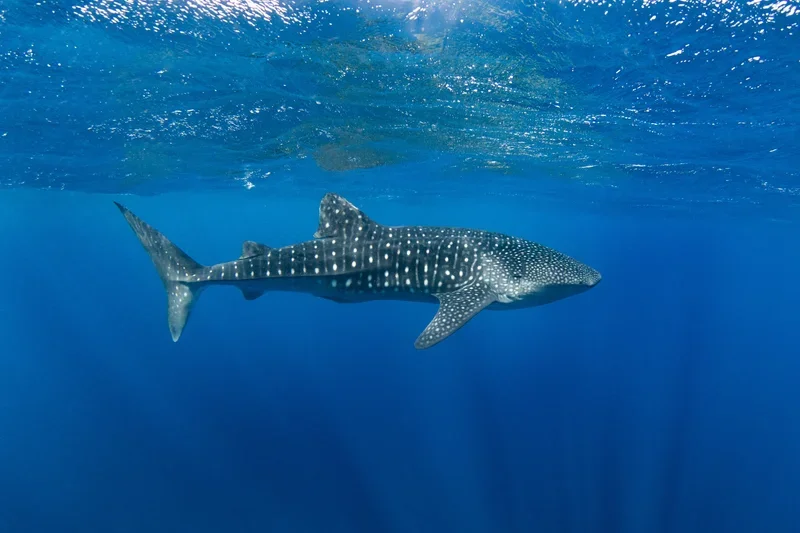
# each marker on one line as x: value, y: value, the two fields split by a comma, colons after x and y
x: 455, y: 309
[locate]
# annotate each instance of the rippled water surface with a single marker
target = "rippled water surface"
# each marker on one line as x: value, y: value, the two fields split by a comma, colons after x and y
x: 678, y: 104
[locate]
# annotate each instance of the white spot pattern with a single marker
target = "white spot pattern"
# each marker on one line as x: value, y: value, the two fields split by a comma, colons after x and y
x: 465, y: 269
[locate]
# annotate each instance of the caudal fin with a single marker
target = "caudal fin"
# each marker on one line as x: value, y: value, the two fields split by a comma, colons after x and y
x: 175, y: 268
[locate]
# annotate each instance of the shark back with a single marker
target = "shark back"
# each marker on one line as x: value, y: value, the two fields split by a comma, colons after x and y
x: 394, y: 258
x: 447, y: 263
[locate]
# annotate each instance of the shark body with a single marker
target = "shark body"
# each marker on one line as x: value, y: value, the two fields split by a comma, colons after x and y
x: 355, y: 259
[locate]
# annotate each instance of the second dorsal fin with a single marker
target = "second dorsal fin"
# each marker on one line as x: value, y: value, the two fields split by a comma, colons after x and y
x: 340, y: 218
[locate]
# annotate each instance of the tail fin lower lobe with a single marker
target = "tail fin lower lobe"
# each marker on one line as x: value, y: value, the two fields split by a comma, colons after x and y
x: 175, y: 268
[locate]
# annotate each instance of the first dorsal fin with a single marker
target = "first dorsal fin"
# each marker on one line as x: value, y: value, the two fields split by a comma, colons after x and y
x: 252, y: 249
x: 340, y: 218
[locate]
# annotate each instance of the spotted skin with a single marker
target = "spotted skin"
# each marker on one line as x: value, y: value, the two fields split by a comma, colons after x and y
x: 354, y: 259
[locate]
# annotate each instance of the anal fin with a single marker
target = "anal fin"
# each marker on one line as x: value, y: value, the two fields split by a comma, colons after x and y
x: 455, y: 309
x: 251, y: 294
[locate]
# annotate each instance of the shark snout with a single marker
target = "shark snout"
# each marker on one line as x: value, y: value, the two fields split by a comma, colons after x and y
x: 593, y: 279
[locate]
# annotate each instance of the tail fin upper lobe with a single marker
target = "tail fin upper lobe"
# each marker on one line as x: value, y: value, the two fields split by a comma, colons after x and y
x: 175, y: 268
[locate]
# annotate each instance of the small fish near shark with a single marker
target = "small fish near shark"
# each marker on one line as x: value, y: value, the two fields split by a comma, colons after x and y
x: 355, y: 259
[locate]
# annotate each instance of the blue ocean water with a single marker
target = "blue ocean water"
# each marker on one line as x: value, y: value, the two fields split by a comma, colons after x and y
x: 655, y: 141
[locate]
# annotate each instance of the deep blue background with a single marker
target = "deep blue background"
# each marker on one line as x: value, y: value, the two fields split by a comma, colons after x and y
x: 665, y: 399
x: 655, y: 141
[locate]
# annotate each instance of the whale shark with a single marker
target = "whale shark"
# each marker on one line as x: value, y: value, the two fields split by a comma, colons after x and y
x: 354, y: 259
